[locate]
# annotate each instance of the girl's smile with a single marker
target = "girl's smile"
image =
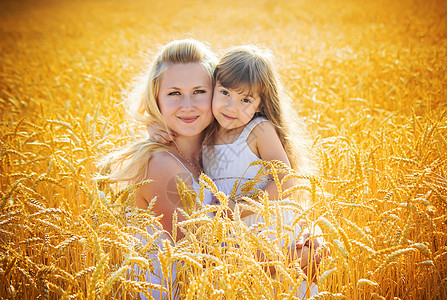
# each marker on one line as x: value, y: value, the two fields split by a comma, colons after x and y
x: 228, y: 117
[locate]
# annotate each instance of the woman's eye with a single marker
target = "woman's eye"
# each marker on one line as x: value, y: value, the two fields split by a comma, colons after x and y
x: 245, y: 100
x: 174, y: 93
x: 199, y: 92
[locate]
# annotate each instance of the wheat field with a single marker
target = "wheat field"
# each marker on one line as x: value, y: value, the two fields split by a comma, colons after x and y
x: 369, y: 79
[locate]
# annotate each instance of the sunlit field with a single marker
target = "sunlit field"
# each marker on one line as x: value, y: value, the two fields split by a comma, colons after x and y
x: 368, y: 78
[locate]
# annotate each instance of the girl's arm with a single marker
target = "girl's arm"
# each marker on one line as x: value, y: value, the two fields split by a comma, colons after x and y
x: 306, y: 251
x: 265, y: 141
x: 157, y: 133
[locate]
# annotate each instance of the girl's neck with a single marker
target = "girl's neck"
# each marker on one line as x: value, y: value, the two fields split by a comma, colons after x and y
x: 228, y: 136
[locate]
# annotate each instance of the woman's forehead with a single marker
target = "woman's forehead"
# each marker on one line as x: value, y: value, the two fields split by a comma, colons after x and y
x: 189, y: 74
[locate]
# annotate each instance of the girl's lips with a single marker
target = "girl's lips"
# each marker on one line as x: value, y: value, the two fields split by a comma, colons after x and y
x: 188, y: 119
x: 228, y: 117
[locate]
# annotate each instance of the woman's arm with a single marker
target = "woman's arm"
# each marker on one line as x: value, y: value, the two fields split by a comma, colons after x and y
x: 163, y: 170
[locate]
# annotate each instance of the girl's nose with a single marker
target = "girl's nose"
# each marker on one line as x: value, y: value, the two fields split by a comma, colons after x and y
x: 230, y: 104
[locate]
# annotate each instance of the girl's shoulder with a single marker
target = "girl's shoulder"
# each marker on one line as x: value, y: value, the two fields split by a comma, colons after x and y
x: 255, y: 123
x: 263, y: 133
x: 262, y: 128
x: 265, y: 140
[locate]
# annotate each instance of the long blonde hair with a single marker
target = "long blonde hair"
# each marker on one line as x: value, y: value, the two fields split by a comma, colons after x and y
x: 130, y: 163
x: 250, y: 69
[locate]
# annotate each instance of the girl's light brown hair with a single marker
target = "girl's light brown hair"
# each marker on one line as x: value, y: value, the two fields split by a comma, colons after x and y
x: 250, y: 69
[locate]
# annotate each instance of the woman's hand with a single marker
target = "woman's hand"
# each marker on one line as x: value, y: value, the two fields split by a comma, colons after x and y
x: 159, y: 134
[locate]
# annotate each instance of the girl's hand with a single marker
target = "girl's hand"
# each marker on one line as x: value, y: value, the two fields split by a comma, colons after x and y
x: 312, y: 259
x: 158, y: 133
x: 215, y: 201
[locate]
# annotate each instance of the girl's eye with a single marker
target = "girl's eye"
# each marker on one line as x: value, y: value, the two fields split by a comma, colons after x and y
x: 176, y: 93
x: 245, y: 100
x: 199, y: 92
x: 224, y: 92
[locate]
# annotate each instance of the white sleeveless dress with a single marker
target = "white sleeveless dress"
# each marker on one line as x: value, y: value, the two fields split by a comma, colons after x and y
x: 157, y: 276
x: 228, y: 164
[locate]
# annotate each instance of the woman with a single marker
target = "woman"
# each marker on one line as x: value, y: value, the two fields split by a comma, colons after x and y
x: 177, y: 93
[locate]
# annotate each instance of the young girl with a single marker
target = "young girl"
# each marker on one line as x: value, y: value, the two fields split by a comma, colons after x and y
x: 250, y: 125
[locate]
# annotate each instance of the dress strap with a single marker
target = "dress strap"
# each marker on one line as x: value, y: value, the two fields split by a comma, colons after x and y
x: 190, y: 174
x: 249, y: 127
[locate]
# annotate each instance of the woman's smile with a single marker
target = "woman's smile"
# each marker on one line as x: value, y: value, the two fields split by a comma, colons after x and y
x: 188, y: 119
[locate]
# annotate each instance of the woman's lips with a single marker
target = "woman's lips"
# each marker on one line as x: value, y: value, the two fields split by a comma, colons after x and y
x: 188, y: 119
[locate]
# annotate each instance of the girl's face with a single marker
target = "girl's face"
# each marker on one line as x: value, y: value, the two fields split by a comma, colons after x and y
x: 233, y: 109
x: 185, y: 97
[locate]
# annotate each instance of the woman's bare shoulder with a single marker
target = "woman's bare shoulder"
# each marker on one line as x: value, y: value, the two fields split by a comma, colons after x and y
x: 163, y: 171
x: 163, y: 164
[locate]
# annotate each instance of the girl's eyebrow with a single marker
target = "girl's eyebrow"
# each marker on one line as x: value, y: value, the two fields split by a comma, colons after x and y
x: 242, y: 94
x: 248, y: 95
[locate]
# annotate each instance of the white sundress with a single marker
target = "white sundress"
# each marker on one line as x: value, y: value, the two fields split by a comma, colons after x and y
x: 226, y: 164
x: 157, y: 276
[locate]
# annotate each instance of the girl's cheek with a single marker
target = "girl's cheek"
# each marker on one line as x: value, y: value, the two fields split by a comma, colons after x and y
x: 217, y: 101
x: 214, y: 109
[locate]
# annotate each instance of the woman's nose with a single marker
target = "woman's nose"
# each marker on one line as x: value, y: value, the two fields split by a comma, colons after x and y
x: 187, y: 103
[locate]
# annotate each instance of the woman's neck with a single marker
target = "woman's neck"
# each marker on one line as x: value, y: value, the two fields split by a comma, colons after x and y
x: 189, y: 147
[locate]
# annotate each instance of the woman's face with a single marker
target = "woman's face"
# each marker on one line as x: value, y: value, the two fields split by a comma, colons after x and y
x: 185, y: 97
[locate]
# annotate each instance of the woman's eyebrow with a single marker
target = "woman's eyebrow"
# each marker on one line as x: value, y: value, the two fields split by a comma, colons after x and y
x: 195, y: 87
